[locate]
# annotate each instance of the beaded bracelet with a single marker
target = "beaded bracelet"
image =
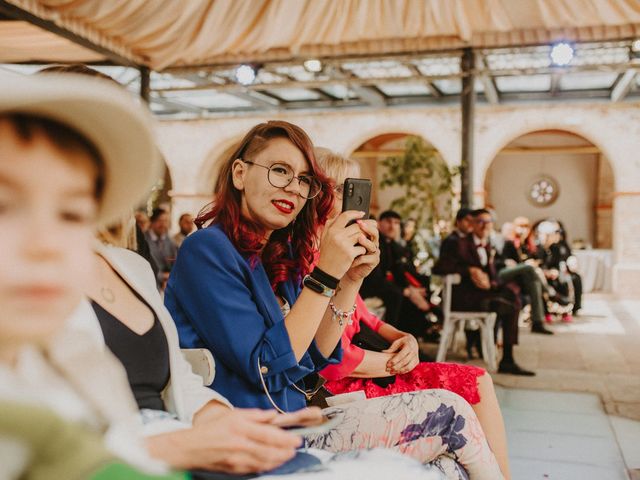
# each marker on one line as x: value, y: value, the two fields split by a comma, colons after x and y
x: 340, y: 316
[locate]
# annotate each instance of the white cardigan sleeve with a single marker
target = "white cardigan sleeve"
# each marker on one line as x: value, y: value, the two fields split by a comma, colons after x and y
x: 185, y: 394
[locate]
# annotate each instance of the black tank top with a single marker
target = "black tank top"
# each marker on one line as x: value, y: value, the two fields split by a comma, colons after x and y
x: 145, y: 357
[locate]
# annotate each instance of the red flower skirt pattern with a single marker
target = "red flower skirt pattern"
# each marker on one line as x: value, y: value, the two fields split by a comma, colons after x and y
x: 457, y: 378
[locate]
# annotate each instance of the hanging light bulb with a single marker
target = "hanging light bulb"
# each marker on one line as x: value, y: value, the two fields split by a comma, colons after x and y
x: 313, y: 65
x: 561, y: 54
x: 245, y: 74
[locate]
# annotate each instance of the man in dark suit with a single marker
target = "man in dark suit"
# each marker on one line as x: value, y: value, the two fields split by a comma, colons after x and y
x: 479, y: 289
x: 449, y: 259
x: 405, y: 298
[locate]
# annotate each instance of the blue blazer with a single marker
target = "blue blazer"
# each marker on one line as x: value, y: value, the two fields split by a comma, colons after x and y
x: 221, y: 302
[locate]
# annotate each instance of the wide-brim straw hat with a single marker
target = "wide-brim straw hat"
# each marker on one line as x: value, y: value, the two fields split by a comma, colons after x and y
x: 117, y: 124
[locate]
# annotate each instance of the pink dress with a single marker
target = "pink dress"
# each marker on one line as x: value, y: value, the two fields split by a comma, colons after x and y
x: 460, y: 379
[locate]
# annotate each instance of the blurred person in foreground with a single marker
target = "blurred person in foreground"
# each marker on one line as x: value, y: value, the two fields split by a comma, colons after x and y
x: 61, y: 173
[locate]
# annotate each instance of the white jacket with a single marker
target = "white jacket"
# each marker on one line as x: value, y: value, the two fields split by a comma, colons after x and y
x: 185, y: 393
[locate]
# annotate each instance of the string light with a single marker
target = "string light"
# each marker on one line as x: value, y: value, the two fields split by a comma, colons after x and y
x: 313, y: 65
x: 245, y: 74
x: 561, y: 54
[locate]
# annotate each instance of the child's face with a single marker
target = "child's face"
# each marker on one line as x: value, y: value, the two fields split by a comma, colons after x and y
x: 47, y: 216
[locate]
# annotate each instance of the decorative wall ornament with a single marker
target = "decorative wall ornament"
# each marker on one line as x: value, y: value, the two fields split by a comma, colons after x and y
x: 543, y: 191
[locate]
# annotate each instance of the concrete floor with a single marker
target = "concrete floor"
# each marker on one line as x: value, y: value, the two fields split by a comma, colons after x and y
x: 579, y: 417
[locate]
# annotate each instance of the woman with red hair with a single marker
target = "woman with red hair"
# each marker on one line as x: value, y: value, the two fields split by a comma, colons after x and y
x: 244, y: 288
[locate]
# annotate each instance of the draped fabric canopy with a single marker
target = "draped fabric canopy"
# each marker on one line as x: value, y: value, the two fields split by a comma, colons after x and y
x: 170, y: 33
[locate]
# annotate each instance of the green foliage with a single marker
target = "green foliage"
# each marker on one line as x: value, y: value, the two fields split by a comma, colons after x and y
x: 426, y: 180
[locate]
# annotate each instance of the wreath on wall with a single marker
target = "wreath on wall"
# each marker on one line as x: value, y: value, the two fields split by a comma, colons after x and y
x: 543, y: 191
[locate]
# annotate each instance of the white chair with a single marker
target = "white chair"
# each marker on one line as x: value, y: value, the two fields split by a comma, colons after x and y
x: 202, y: 363
x: 486, y: 321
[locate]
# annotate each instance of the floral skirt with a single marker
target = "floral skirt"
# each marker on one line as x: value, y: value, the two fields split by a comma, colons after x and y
x: 460, y: 379
x: 433, y: 426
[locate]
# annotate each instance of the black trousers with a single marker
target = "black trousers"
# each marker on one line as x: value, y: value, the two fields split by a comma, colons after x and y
x: 506, y: 304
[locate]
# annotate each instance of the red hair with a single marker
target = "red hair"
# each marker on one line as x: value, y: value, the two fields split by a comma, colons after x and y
x: 289, y: 252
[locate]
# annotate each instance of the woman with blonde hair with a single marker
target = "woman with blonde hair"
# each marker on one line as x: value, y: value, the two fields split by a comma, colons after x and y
x: 360, y: 368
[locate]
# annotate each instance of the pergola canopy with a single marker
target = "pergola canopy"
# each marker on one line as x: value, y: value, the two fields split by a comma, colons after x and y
x: 168, y: 33
x: 374, y: 53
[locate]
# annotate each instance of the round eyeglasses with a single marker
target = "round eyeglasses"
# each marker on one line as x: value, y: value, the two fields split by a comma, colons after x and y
x: 280, y: 175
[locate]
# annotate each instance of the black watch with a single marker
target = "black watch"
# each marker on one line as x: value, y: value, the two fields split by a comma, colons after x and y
x: 318, y: 287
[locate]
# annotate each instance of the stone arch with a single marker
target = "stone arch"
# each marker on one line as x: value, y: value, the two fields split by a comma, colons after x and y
x: 439, y: 142
x: 372, y: 150
x: 510, y: 131
x: 585, y: 175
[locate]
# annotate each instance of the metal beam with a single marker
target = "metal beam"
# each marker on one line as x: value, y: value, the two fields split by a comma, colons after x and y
x: 430, y: 86
x: 9, y: 10
x: 370, y: 95
x: 555, y: 83
x: 490, y: 90
x: 258, y: 99
x: 468, y: 101
x: 623, y: 85
x: 145, y: 83
x: 435, y: 91
x: 177, y: 104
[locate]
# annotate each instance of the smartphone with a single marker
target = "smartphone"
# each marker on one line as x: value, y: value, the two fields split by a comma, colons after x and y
x: 330, y: 420
x: 357, y: 195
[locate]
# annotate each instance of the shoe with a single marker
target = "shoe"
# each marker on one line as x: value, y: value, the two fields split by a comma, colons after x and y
x: 548, y: 318
x: 540, y: 328
x: 513, y: 368
x: 567, y: 318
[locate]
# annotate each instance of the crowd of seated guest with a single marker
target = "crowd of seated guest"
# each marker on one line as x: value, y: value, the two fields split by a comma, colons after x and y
x: 543, y: 246
x: 85, y: 323
x: 405, y: 292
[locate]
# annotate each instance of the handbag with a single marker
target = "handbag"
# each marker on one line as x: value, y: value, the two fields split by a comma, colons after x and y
x: 368, y: 339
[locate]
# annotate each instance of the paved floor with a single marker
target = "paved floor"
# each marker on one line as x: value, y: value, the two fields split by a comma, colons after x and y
x: 562, y: 436
x: 579, y: 417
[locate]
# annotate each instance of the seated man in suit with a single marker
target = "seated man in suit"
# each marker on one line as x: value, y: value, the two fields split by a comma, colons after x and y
x: 404, y: 296
x: 479, y: 289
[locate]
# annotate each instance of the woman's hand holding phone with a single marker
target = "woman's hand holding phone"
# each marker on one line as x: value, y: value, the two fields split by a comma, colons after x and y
x: 339, y: 245
x: 364, y: 264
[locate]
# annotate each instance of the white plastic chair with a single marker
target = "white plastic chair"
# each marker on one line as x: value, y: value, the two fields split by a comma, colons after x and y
x: 202, y: 363
x: 486, y: 321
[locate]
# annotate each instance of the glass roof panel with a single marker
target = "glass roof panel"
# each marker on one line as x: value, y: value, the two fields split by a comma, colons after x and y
x: 433, y: 66
x: 264, y: 76
x: 294, y: 94
x: 339, y: 91
x: 524, y: 83
x: 587, y: 80
x: 208, y: 99
x: 298, y: 72
x: 404, y: 89
x: 601, y: 54
x: 504, y: 59
x: 378, y: 69
x: 449, y: 87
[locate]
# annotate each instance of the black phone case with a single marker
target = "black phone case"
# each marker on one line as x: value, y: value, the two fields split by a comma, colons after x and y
x: 357, y: 195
